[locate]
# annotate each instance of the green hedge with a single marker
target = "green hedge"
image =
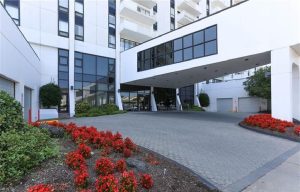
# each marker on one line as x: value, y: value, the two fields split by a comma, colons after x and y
x: 83, y: 109
x: 22, y: 150
x: 10, y: 113
x: 50, y: 95
x: 204, y: 100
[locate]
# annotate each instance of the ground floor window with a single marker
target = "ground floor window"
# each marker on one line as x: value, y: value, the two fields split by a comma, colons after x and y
x: 165, y: 99
x: 186, y: 95
x: 94, y: 79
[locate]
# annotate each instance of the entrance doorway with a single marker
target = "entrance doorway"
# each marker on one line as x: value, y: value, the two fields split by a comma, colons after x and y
x: 27, y: 104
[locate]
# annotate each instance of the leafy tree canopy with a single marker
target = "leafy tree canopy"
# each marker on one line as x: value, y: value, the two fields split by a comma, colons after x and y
x: 259, y: 85
x: 50, y: 95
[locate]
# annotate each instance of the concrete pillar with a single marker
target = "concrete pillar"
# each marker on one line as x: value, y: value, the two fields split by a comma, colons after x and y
x: 118, y: 66
x: 196, y: 95
x: 71, y: 59
x: 281, y: 84
x: 178, y: 102
x: 153, y: 102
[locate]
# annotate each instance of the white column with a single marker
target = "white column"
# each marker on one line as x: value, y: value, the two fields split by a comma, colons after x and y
x: 153, y: 102
x: 281, y: 84
x: 118, y: 99
x: 178, y: 102
x: 71, y: 58
x: 196, y: 95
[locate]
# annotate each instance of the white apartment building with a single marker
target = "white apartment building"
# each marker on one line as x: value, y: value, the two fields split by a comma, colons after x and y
x: 140, y: 54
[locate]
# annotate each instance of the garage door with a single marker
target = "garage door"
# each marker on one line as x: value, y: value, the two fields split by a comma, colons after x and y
x: 224, y: 104
x: 7, y: 86
x: 249, y: 104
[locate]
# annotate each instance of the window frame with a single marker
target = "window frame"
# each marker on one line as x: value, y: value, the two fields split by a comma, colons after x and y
x: 59, y: 32
x: 79, y: 37
x: 19, y: 12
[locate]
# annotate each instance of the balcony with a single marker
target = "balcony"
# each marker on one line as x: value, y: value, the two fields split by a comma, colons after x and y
x: 132, y: 10
x: 134, y: 31
x: 146, y: 3
x: 184, y: 18
x: 189, y: 6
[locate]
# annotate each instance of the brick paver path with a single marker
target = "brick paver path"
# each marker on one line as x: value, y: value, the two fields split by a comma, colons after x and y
x: 210, y: 144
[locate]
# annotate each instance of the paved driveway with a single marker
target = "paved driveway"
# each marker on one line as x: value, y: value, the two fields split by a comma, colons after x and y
x: 210, y: 144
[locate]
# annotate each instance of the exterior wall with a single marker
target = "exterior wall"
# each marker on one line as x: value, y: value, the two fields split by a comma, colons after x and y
x: 231, y: 36
x: 231, y: 89
x: 19, y: 63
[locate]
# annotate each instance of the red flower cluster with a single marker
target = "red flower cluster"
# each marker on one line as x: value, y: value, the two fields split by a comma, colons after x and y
x: 108, y: 183
x: 81, y: 177
x: 121, y: 165
x: 84, y: 150
x: 297, y: 130
x: 104, y: 166
x: 41, y: 188
x: 128, y: 182
x: 266, y: 121
x: 129, y: 144
x: 146, y: 181
x: 74, y: 160
x: 127, y: 152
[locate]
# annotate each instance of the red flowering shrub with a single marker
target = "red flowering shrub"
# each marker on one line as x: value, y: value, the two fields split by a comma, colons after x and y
x: 106, y: 151
x: 121, y: 165
x: 104, y: 166
x: 129, y: 144
x: 81, y: 177
x: 107, y: 183
x: 266, y: 121
x: 84, y: 150
x: 41, y: 188
x: 118, y: 145
x: 74, y: 160
x: 128, y: 182
x: 297, y: 130
x: 118, y: 136
x: 146, y: 181
x: 127, y: 152
x: 85, y: 190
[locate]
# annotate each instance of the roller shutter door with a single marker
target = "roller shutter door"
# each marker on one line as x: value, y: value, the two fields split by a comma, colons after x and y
x: 249, y: 104
x: 224, y: 104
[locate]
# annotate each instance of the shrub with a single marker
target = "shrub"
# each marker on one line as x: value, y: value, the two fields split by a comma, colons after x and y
x: 297, y: 130
x: 81, y: 177
x: 22, y: 150
x: 121, y: 165
x: 50, y: 95
x: 129, y: 144
x: 82, y: 107
x: 104, y: 166
x: 41, y: 188
x: 118, y: 145
x: 204, y: 100
x: 146, y: 181
x: 10, y: 113
x: 109, y: 108
x: 128, y: 182
x: 107, y: 183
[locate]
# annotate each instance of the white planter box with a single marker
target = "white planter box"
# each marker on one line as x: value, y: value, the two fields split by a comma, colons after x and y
x: 48, y: 114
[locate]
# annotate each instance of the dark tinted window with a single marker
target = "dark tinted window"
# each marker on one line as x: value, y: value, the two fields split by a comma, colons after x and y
x: 211, y: 48
x: 177, y: 44
x: 211, y: 33
x: 188, y: 41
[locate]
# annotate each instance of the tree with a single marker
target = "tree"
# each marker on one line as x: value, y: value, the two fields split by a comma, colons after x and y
x: 50, y: 95
x: 259, y: 85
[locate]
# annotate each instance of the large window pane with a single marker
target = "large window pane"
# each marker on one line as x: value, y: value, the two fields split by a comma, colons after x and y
x: 177, y: 44
x: 102, y: 66
x: 211, y: 48
x: 188, y: 41
x: 89, y: 64
x: 198, y: 37
x: 188, y: 53
x: 101, y: 98
x: 178, y: 56
x: 199, y: 51
x: 211, y: 33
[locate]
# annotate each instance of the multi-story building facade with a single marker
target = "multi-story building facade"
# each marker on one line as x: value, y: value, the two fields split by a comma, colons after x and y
x: 126, y: 52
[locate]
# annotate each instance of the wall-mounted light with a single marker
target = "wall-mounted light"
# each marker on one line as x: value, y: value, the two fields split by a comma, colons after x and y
x: 72, y: 87
x: 119, y: 90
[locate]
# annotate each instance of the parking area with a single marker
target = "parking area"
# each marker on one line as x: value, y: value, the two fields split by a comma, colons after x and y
x: 210, y: 144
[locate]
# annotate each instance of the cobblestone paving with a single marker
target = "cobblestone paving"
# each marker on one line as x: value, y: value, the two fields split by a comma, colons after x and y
x: 210, y: 144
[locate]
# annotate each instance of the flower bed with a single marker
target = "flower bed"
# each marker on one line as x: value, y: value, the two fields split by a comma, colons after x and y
x: 267, y: 124
x: 107, y: 170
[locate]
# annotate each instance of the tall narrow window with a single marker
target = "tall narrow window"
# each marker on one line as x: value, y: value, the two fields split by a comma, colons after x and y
x: 112, y: 23
x: 63, y: 79
x: 172, y: 14
x: 13, y: 8
x: 63, y: 18
x: 79, y: 20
